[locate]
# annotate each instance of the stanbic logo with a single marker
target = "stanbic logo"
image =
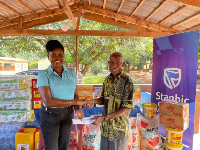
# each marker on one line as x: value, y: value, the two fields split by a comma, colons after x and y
x: 172, y: 77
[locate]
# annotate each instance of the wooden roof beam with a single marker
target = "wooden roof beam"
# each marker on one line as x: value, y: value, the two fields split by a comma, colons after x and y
x: 40, y: 22
x: 36, y: 16
x: 20, y: 25
x: 185, y: 20
x: 41, y: 2
x: 172, y: 14
x: 127, y: 18
x: 110, y: 21
x: 2, y: 17
x: 79, y: 16
x: 196, y: 27
x: 155, y: 10
x: 9, y: 8
x: 69, y: 13
x: 25, y: 6
x: 138, y: 6
x: 81, y: 33
x: 104, y: 4
x: 31, y: 17
x: 194, y: 3
x: 120, y: 6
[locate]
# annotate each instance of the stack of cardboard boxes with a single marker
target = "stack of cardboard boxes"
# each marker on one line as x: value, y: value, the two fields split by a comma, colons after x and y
x: 175, y: 117
x: 15, y: 98
x: 37, y: 100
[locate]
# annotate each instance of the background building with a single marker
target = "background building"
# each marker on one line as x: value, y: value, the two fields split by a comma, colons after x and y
x: 9, y: 66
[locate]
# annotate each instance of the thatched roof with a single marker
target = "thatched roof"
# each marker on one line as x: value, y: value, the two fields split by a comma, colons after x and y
x: 147, y: 18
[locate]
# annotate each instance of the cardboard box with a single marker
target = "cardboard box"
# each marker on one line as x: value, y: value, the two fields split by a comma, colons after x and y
x: 85, y: 91
x: 175, y: 109
x: 181, y: 123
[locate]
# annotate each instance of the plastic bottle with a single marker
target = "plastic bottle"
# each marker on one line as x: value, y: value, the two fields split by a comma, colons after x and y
x: 25, y: 138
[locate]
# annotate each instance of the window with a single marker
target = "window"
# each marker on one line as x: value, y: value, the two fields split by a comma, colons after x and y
x: 17, y: 67
x: 7, y: 65
x: 25, y: 66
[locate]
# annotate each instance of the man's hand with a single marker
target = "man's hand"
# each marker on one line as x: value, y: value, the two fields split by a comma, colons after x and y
x: 89, y: 101
x: 98, y: 120
x: 79, y: 113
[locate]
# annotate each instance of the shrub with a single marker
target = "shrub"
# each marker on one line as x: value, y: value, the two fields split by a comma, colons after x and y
x: 33, y: 65
x: 96, y: 68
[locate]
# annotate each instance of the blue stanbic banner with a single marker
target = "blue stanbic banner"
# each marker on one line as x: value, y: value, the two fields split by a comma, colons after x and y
x: 175, y: 60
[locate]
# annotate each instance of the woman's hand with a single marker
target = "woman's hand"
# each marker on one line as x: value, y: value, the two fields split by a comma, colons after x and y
x: 84, y: 103
x: 79, y: 113
x: 81, y: 102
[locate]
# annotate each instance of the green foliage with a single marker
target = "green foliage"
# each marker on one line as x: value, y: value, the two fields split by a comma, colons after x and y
x: 136, y: 51
x: 96, y: 68
x: 33, y: 65
x: 93, y: 80
x: 27, y: 48
x: 69, y: 60
x: 198, y: 55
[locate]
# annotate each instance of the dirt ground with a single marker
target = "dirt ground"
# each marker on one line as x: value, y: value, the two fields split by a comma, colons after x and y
x: 146, y: 78
x: 142, y: 77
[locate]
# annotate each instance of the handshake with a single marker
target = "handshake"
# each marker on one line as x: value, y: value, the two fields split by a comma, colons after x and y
x: 85, y: 103
x: 88, y: 102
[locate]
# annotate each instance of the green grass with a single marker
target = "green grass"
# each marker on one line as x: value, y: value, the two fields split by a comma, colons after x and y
x: 93, y: 80
x: 90, y: 79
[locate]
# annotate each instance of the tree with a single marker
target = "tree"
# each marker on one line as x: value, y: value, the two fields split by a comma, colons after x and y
x: 33, y: 65
x: 96, y: 68
x: 136, y: 51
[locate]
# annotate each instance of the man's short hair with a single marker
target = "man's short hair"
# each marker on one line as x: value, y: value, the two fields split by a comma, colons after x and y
x: 118, y: 54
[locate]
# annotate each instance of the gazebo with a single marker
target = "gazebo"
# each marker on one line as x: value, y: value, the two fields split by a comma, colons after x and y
x: 142, y: 18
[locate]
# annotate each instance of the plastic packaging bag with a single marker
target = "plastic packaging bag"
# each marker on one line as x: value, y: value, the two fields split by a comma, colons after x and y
x: 91, y: 137
x: 150, y: 138
x: 134, y: 135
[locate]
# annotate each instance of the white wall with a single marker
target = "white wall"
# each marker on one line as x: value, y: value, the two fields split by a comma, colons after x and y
x: 43, y: 64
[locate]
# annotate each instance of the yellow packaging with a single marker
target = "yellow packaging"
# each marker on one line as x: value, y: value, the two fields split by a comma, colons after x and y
x: 25, y: 139
x: 23, y: 83
x: 137, y: 89
x: 173, y: 146
x: 37, y: 139
x: 30, y: 115
x: 174, y: 136
x: 149, y: 109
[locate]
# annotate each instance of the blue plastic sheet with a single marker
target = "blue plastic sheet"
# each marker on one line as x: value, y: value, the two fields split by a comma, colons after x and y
x: 145, y: 97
